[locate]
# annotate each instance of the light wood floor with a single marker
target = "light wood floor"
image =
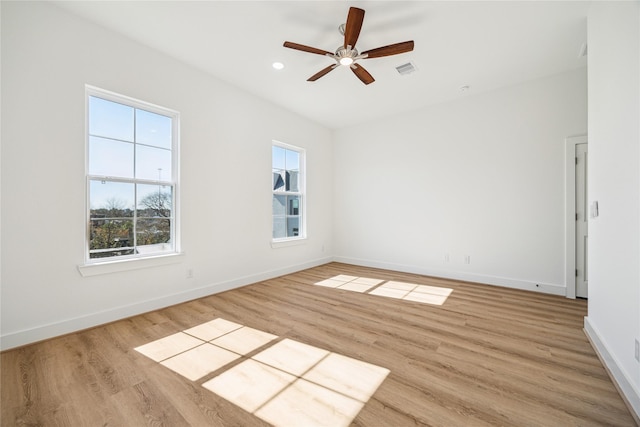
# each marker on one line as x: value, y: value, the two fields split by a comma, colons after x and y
x: 487, y: 356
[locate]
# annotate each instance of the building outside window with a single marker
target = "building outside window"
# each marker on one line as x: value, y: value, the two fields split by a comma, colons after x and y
x: 288, y: 192
x: 132, y: 170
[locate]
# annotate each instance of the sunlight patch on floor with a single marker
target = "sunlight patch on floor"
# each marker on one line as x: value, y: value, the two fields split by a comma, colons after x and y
x: 243, y: 340
x: 406, y: 291
x: 350, y: 283
x: 169, y: 346
x: 287, y: 383
x: 200, y: 361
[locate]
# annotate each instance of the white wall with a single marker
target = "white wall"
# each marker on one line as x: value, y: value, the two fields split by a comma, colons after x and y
x: 613, y: 322
x: 482, y: 176
x: 48, y: 56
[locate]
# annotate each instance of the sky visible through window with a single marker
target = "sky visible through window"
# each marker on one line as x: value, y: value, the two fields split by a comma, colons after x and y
x: 126, y: 142
x: 285, y: 159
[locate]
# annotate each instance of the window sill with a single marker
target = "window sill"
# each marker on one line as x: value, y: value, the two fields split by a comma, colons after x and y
x: 98, y: 268
x: 289, y: 242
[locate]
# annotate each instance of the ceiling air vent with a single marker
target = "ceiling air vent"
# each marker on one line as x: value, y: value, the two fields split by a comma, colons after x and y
x: 407, y: 68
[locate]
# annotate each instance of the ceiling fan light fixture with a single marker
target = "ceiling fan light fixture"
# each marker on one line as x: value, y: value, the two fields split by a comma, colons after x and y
x: 346, y: 61
x: 346, y: 55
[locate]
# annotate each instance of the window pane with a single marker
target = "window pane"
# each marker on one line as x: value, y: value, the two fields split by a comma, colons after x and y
x: 153, y: 129
x: 287, y: 187
x: 293, y: 226
x: 278, y: 158
x: 293, y: 205
x: 110, y: 119
x: 293, y: 181
x: 153, y: 231
x: 279, y: 179
x: 155, y: 201
x: 131, y: 184
x: 110, y: 158
x: 153, y: 163
x: 279, y: 227
x: 108, y: 199
x: 110, y: 237
x: 292, y: 160
x: 104, y: 253
x: 279, y: 203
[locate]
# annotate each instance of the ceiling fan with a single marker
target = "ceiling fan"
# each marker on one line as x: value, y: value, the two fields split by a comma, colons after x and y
x: 347, y: 54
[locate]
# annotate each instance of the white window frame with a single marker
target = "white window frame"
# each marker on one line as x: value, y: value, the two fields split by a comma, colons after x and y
x: 155, y: 258
x: 302, y: 193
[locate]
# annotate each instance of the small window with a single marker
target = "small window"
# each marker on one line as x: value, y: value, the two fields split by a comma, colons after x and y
x: 131, y: 177
x: 287, y: 183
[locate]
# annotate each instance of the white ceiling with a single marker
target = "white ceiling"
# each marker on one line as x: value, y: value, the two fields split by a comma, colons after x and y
x: 485, y: 45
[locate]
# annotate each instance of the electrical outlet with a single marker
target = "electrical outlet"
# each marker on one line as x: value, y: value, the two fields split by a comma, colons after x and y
x: 467, y: 259
x: 446, y: 257
x: 190, y: 273
x: 637, y: 351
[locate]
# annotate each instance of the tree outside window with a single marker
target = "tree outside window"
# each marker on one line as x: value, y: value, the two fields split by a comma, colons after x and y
x: 131, y: 178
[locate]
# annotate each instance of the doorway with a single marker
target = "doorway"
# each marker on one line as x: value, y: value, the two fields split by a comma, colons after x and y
x: 582, y: 222
x: 577, y: 235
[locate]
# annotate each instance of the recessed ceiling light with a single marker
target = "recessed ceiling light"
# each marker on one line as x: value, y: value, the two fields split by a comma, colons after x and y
x: 278, y: 65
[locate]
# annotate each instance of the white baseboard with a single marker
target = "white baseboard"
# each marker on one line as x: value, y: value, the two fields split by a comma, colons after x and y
x: 42, y: 332
x: 51, y: 330
x: 620, y: 377
x: 546, y: 288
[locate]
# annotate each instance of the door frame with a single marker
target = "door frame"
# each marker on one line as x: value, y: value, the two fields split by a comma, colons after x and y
x: 570, y: 213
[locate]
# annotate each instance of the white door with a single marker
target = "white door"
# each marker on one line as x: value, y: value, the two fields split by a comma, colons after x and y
x: 582, y: 231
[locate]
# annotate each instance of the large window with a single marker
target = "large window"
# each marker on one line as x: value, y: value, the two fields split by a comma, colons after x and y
x: 131, y: 177
x: 288, y: 192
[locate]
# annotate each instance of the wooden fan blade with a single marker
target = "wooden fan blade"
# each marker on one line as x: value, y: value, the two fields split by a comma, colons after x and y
x: 362, y: 74
x: 304, y: 48
x: 392, y: 49
x: 321, y: 73
x: 353, y: 26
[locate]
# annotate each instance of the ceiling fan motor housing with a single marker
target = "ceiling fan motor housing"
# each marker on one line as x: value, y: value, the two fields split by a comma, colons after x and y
x: 344, y: 52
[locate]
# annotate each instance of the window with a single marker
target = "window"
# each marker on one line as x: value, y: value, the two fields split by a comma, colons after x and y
x: 288, y: 192
x: 131, y: 177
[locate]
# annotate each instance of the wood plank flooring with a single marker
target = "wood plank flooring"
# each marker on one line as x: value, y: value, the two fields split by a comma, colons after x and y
x: 488, y: 356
